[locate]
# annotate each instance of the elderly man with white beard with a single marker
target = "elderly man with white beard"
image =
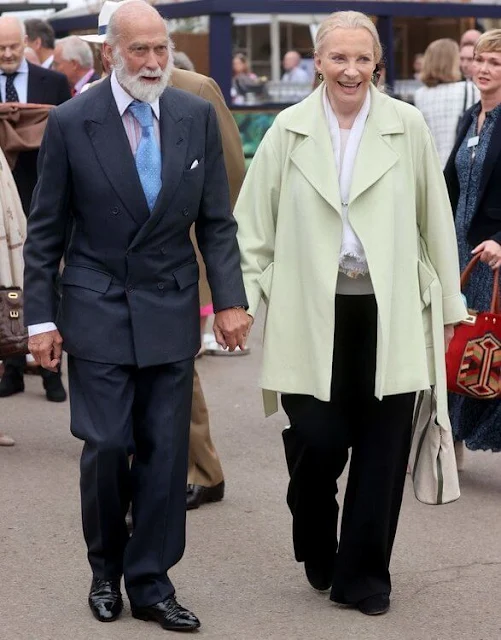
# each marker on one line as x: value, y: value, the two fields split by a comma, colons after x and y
x: 130, y: 166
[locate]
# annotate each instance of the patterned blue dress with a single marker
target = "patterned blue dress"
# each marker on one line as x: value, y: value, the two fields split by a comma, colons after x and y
x: 477, y: 422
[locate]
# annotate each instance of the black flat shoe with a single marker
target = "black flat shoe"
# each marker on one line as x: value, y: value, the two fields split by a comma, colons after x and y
x: 170, y: 615
x: 374, y: 605
x: 11, y: 384
x: 105, y: 599
x: 54, y: 390
x: 196, y: 495
x: 319, y: 574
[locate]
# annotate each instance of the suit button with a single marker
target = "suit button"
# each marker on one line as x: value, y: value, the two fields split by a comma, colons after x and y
x: 130, y: 289
x: 161, y: 286
x: 163, y: 250
x: 115, y: 211
x: 185, y: 211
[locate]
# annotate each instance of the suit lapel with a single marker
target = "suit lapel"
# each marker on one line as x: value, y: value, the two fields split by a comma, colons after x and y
x: 36, y: 85
x: 112, y: 148
x: 174, y: 137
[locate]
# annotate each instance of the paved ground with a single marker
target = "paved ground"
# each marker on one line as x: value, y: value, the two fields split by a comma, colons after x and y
x: 238, y: 573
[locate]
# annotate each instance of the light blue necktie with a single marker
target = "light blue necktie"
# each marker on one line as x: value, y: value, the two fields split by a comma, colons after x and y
x: 148, y: 156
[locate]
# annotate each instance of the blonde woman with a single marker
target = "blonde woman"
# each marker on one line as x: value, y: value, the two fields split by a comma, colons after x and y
x: 12, y: 235
x: 443, y: 100
x: 473, y: 176
x: 344, y: 198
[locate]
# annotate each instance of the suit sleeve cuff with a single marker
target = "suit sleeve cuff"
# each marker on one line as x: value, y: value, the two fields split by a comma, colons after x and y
x: 43, y: 327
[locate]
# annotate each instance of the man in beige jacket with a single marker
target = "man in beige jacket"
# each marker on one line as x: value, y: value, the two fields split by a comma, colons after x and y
x: 205, y: 475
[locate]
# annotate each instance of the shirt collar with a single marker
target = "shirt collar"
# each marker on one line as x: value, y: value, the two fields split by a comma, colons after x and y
x: 46, y: 64
x: 123, y: 99
x: 22, y: 68
x: 84, y: 80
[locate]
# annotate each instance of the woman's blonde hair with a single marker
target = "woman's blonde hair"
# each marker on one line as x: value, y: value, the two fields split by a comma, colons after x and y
x: 441, y: 63
x: 489, y: 42
x: 349, y: 20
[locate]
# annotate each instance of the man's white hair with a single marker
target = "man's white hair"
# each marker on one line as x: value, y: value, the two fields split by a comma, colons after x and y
x: 73, y: 48
x: 15, y: 20
x: 112, y: 32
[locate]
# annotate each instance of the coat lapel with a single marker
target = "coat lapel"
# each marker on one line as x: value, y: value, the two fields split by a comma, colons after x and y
x: 375, y: 155
x: 450, y: 173
x: 314, y: 156
x: 112, y: 148
x: 175, y: 129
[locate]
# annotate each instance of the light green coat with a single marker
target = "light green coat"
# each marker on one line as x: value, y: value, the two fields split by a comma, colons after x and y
x: 290, y: 232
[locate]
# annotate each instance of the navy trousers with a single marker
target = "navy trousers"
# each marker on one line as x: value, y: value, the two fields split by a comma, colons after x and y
x: 317, y: 446
x: 116, y: 409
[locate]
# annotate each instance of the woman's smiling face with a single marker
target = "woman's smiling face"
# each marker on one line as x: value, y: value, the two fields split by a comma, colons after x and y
x: 346, y: 60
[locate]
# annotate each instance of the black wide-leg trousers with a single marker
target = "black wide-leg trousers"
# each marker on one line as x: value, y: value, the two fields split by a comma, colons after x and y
x: 116, y: 409
x: 317, y: 445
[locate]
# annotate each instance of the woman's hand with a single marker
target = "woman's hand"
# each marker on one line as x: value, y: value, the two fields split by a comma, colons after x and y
x: 448, y: 335
x: 490, y: 253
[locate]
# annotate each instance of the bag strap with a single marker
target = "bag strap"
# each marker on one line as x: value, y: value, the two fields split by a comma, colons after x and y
x: 465, y: 278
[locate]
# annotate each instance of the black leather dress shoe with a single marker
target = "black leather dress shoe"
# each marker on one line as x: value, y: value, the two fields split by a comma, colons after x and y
x: 170, y: 615
x: 374, y: 605
x: 105, y: 599
x: 197, y: 495
x: 54, y: 390
x: 11, y: 384
x: 319, y: 574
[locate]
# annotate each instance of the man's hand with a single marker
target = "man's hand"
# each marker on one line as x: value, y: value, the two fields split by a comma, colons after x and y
x: 448, y: 335
x: 47, y: 349
x: 490, y: 253
x: 231, y: 328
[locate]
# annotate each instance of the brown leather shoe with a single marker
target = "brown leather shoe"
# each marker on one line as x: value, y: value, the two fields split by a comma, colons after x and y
x: 196, y: 495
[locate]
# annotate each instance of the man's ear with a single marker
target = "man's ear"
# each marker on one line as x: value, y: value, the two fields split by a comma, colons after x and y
x: 107, y: 53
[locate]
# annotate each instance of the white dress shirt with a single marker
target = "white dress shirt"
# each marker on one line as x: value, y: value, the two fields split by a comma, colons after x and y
x: 133, y: 131
x: 20, y: 82
x: 47, y: 64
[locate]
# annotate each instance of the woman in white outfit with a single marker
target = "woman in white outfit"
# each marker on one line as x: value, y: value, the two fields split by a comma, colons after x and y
x: 343, y: 203
x: 443, y: 100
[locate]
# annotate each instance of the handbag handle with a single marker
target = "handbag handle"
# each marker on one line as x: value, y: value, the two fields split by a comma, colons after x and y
x: 465, y: 277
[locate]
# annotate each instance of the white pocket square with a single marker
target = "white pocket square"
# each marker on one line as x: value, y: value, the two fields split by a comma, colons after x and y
x: 194, y: 164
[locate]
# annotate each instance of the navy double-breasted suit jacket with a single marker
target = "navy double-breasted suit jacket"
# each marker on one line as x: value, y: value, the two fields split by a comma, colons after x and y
x: 129, y: 286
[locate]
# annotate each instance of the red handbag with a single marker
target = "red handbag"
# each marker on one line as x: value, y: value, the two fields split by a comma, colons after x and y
x: 474, y: 357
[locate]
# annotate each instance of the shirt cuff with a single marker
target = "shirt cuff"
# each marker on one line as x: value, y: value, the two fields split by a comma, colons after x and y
x: 35, y: 329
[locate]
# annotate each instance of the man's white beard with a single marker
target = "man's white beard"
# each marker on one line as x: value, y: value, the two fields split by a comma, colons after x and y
x: 138, y: 88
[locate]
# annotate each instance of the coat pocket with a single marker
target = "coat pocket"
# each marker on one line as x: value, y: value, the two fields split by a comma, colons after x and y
x: 265, y: 281
x: 87, y: 278
x: 186, y: 276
